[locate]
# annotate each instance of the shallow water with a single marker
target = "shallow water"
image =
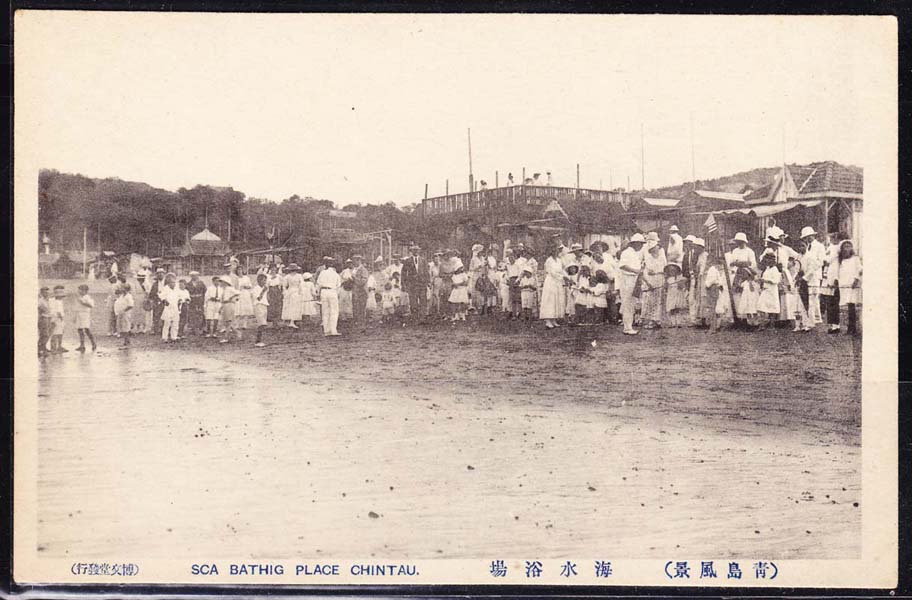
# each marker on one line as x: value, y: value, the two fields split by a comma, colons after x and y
x: 163, y: 454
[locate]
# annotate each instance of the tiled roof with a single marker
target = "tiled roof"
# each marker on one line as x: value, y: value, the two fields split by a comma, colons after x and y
x: 830, y: 176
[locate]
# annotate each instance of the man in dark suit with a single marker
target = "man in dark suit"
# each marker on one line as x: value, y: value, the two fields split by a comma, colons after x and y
x: 414, y: 280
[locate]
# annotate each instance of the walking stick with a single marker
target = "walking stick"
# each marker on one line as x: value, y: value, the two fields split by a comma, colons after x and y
x: 731, y: 294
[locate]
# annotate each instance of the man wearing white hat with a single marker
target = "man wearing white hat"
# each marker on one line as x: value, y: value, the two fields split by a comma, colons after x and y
x: 630, y: 266
x: 328, y: 284
x: 812, y: 265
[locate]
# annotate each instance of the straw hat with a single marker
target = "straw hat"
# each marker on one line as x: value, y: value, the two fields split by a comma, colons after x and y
x: 740, y: 237
x: 575, y: 246
x: 652, y: 236
x: 637, y: 238
x: 674, y: 228
x: 307, y: 276
x: 690, y: 238
x: 699, y: 242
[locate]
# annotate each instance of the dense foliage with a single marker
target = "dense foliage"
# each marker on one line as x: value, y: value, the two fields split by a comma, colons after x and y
x: 125, y: 216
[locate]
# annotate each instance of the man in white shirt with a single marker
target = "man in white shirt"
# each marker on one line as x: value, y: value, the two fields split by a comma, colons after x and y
x: 170, y: 298
x: 630, y: 266
x: 328, y: 284
x: 812, y: 264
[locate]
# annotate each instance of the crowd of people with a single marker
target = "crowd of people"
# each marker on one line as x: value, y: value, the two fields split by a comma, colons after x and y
x: 648, y: 283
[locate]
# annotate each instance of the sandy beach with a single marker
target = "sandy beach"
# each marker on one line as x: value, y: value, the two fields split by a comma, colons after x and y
x: 488, y: 438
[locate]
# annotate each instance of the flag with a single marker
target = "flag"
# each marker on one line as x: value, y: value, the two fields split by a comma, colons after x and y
x: 711, y: 224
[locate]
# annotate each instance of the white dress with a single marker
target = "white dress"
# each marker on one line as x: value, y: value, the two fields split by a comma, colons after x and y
x: 847, y: 271
x: 769, y: 295
x: 83, y: 312
x: 309, y: 299
x: 245, y: 299
x: 553, y: 296
x: 749, y: 298
x: 292, y: 305
x: 460, y: 293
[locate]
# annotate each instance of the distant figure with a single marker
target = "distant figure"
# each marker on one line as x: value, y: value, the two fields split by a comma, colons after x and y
x: 528, y: 181
x: 84, y: 306
x: 484, y: 184
x: 536, y: 179
x: 509, y: 178
x: 549, y: 178
x: 57, y: 319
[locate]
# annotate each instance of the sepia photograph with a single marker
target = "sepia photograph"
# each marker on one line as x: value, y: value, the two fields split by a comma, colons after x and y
x: 495, y: 299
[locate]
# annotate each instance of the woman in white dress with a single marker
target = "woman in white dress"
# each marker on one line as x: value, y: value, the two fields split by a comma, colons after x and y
x: 653, y: 284
x: 244, y: 311
x: 292, y: 305
x: 553, y: 296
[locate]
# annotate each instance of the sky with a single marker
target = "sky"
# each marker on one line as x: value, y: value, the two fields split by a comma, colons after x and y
x: 370, y: 108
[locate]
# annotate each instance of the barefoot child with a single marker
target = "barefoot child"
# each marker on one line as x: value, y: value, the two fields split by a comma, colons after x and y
x: 459, y: 296
x: 84, y: 306
x: 228, y: 295
x: 57, y: 320
x: 260, y: 307
x: 528, y: 291
x: 212, y: 308
x: 123, y: 312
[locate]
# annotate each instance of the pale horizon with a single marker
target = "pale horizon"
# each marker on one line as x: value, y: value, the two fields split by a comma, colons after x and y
x: 379, y: 105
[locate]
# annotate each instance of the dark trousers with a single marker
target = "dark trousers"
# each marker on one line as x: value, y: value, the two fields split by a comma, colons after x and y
x: 44, y: 328
x: 158, y: 308
x: 853, y: 318
x: 195, y: 318
x: 417, y: 301
x: 184, y: 318
x: 359, y: 302
x: 832, y: 308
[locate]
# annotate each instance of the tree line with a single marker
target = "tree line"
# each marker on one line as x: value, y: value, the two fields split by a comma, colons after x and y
x: 124, y: 216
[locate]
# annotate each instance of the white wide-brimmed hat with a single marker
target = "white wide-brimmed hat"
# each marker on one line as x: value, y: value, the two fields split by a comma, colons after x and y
x: 307, y: 276
x: 574, y: 247
x: 807, y: 231
x: 673, y: 228
x: 699, y: 242
x: 637, y: 237
x: 740, y: 237
x: 690, y: 238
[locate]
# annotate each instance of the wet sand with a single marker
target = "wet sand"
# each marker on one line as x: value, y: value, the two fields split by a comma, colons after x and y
x: 482, y: 439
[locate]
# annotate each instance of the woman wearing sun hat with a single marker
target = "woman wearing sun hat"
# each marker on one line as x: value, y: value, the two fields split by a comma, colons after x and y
x: 292, y: 300
x: 653, y: 282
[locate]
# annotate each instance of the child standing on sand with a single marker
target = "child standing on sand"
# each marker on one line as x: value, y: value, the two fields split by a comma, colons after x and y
x: 212, y: 307
x: 260, y: 299
x: 459, y: 296
x: 123, y: 311
x: 57, y: 319
x: 528, y: 295
x: 84, y: 306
